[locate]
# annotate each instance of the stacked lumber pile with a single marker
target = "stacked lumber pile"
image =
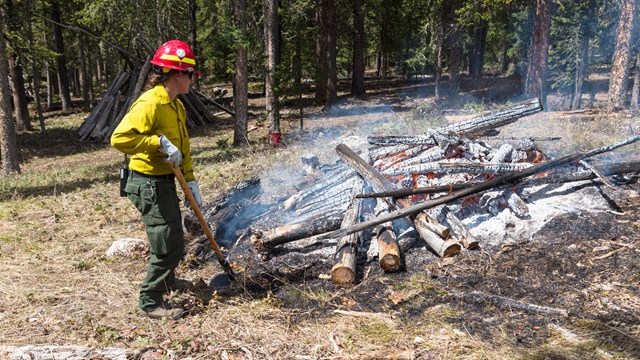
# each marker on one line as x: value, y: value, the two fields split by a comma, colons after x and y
x: 127, y: 87
x: 405, y: 190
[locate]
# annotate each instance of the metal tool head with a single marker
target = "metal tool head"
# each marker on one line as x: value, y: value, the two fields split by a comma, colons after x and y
x: 221, y: 283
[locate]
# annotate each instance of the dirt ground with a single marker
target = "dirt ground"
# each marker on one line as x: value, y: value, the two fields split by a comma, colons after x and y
x: 569, y: 292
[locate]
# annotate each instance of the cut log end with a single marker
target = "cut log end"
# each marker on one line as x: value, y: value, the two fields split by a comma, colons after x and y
x: 390, y: 263
x: 342, y: 275
x: 471, y: 244
x: 449, y: 248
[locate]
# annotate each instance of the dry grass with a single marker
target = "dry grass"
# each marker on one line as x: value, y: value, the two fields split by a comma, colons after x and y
x: 61, y: 214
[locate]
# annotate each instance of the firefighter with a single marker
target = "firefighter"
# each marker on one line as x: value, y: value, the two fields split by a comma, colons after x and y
x: 154, y: 134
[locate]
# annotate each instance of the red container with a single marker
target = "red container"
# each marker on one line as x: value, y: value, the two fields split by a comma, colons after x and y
x: 275, y: 137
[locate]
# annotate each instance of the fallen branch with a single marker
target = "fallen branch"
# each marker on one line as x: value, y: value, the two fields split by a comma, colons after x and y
x: 506, y: 303
x: 386, y: 318
x: 214, y: 103
x: 611, y: 253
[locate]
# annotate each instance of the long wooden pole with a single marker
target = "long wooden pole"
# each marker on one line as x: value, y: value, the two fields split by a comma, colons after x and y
x: 205, y: 227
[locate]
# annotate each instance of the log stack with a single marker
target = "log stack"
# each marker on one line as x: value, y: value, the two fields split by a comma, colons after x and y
x: 403, y: 173
x: 121, y: 94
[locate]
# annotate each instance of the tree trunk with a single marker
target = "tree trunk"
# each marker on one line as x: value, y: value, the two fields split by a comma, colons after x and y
x: 23, y: 122
x: 61, y: 60
x: 539, y: 52
x: 357, y: 80
x: 620, y: 63
x: 85, y: 81
x: 332, y: 71
x: 455, y: 61
x: 297, y: 76
x: 159, y: 23
x: 582, y: 56
x: 241, y: 80
x: 49, y: 86
x: 8, y: 145
x: 271, y: 44
x: 438, y: 74
x: 635, y: 92
x: 321, y: 49
x: 36, y: 92
x: 193, y: 36
x: 476, y: 62
x: 90, y: 78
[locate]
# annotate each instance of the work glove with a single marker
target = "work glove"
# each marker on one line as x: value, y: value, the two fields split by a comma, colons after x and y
x: 173, y: 153
x: 195, y: 190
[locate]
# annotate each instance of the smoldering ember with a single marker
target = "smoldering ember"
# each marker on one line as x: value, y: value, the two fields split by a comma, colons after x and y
x: 389, y: 199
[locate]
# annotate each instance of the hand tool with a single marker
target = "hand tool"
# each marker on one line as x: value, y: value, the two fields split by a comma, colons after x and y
x: 205, y: 227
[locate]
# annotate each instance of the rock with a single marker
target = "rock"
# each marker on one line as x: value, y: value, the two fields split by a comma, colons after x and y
x: 127, y: 247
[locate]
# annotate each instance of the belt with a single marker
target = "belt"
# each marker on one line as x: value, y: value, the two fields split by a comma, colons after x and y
x: 168, y: 177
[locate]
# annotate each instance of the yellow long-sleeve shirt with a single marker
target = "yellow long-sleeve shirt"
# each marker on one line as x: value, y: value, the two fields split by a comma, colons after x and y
x: 138, y: 134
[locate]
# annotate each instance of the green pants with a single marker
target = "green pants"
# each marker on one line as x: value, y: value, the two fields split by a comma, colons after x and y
x: 157, y: 200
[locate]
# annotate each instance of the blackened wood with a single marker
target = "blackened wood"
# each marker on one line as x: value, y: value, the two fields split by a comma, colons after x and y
x: 103, y: 119
x: 494, y: 120
x: 342, y: 174
x: 200, y: 108
x: 456, y: 166
x: 386, y: 151
x: 574, y: 175
x: 377, y: 181
x: 344, y: 267
x: 90, y: 122
x: 504, y: 179
x: 191, y: 109
x: 476, y: 125
x: 413, y: 140
x: 432, y: 154
x: 399, y: 193
x: 264, y: 240
x: 597, y: 173
x: 214, y: 103
x: 503, y: 154
x: 468, y: 240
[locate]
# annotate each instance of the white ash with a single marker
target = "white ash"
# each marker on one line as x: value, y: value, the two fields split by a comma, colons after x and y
x: 544, y: 203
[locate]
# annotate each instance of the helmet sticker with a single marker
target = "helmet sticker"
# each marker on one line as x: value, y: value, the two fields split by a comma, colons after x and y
x: 181, y: 53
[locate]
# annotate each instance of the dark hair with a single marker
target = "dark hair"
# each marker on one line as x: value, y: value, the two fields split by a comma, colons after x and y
x: 156, y: 78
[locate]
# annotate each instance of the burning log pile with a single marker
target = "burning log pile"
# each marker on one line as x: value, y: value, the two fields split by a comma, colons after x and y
x: 406, y: 190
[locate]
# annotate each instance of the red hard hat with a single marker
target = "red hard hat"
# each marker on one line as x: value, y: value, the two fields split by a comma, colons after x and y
x: 175, y: 55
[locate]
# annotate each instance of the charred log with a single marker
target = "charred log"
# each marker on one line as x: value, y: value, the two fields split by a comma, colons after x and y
x: 561, y: 174
x: 477, y: 125
x: 344, y: 268
x: 267, y: 239
x: 501, y: 180
x: 468, y: 240
x: 442, y: 247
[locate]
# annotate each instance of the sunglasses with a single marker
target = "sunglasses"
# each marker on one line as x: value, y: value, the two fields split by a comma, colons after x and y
x: 187, y: 72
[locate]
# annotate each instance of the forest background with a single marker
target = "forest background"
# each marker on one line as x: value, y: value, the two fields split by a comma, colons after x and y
x: 57, y: 49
